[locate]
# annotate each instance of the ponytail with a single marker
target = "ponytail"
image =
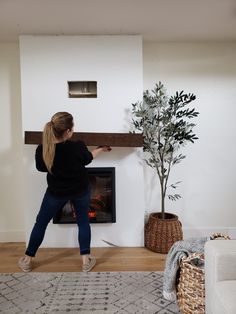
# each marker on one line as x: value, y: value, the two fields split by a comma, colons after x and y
x: 48, y: 145
x: 53, y: 131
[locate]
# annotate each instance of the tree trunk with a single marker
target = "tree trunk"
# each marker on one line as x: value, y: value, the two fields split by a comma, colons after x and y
x: 162, y: 201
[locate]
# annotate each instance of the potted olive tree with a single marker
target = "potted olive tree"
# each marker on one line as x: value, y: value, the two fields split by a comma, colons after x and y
x: 166, y: 124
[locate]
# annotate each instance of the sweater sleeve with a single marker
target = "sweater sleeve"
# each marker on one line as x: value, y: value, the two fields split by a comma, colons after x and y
x: 40, y: 165
x: 84, y: 154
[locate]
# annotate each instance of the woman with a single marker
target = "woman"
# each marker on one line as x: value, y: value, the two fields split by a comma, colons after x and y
x: 67, y: 179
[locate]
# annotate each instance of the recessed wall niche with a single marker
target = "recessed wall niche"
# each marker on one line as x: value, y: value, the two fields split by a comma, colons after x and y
x: 82, y: 89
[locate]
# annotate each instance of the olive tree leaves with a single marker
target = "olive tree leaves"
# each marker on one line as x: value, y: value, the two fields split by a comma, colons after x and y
x: 166, y: 124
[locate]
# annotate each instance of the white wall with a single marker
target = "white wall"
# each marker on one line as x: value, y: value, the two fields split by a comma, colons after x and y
x: 115, y: 62
x: 208, y: 174
x: 48, y: 62
x: 11, y: 205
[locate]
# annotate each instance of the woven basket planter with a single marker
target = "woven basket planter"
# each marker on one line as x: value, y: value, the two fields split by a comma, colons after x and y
x: 161, y: 234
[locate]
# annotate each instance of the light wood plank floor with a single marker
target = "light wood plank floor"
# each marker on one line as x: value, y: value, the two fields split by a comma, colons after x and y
x: 68, y: 259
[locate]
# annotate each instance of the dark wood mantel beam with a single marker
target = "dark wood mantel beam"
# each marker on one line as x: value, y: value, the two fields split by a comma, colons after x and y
x: 94, y: 139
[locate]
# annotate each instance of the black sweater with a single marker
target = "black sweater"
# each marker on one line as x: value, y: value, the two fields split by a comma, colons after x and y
x: 69, y: 176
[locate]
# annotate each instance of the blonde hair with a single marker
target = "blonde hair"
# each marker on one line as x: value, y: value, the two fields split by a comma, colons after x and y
x: 53, y: 131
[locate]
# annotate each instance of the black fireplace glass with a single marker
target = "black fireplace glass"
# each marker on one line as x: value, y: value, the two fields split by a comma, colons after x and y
x: 102, y: 205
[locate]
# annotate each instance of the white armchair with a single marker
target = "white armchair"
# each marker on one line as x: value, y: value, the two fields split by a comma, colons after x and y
x: 220, y: 276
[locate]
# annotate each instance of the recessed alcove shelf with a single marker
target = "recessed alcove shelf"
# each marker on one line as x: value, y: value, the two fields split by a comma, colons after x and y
x: 82, y: 89
x: 94, y: 139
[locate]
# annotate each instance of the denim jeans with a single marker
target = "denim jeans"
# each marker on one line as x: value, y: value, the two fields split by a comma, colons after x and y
x: 50, y: 206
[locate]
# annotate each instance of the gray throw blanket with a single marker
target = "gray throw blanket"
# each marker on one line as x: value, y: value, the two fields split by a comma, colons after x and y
x: 178, y: 250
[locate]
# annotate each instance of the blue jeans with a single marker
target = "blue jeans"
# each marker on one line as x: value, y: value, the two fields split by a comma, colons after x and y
x: 50, y: 206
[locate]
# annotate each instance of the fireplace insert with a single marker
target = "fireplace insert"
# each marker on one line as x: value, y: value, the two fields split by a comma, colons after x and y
x: 102, y: 205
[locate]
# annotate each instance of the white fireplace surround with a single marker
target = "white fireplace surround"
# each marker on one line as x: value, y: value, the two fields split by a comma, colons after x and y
x: 115, y: 63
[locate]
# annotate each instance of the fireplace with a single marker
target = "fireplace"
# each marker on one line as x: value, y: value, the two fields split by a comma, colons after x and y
x: 102, y: 205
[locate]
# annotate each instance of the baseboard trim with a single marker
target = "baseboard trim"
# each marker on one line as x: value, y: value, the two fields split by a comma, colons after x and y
x: 12, y: 236
x: 19, y: 235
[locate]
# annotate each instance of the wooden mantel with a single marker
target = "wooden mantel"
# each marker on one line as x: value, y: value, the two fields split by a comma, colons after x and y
x: 94, y: 139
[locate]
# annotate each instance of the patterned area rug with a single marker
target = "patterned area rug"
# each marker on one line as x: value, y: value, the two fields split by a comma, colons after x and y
x: 100, y: 293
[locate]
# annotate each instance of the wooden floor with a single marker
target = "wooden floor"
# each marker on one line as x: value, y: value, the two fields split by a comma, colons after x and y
x: 69, y: 260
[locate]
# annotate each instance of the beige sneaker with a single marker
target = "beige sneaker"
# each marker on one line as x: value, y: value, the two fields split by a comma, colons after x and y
x: 25, y: 265
x: 89, y: 265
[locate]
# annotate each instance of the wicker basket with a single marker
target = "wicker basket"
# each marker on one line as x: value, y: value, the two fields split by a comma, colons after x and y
x: 191, y: 281
x: 191, y: 285
x: 161, y: 234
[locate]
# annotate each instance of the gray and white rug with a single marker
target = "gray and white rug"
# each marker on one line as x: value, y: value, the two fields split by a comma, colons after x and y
x: 94, y: 292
